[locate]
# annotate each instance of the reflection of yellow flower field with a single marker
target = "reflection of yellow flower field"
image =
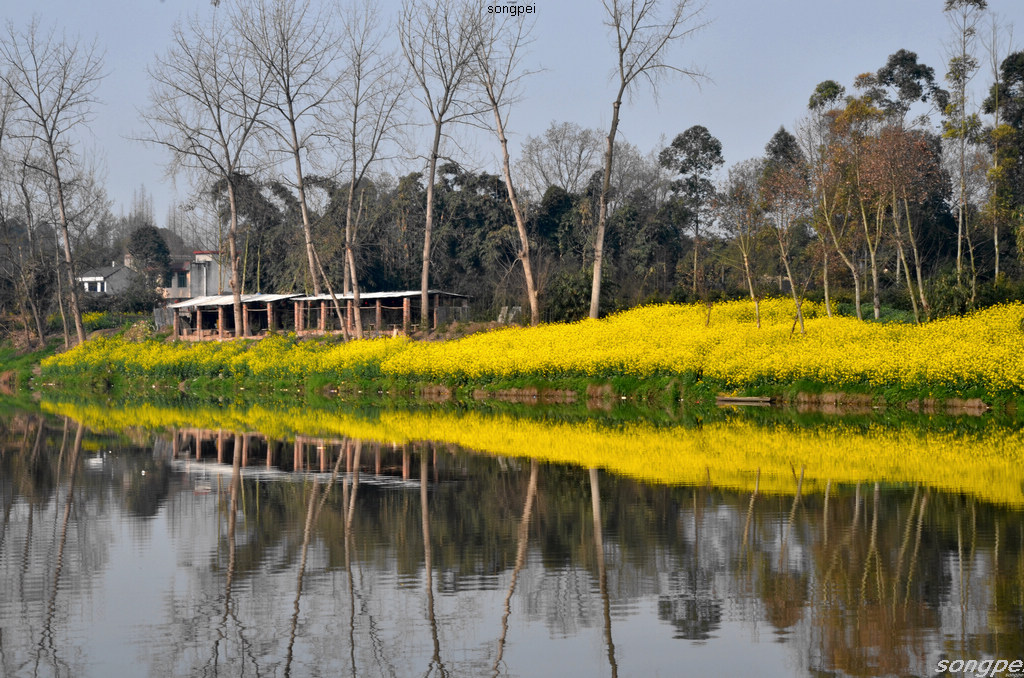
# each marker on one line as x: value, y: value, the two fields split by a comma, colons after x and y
x: 726, y: 454
x: 978, y: 354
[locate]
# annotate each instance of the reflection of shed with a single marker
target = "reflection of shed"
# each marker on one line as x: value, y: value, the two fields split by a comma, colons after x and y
x: 380, y: 312
x: 214, y: 318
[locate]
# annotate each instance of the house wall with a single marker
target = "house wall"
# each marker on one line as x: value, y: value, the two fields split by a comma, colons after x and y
x: 206, y: 277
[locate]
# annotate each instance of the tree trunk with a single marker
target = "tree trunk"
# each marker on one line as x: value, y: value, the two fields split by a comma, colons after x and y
x: 750, y: 284
x: 784, y: 251
x: 850, y: 264
x: 76, y: 312
x: 300, y: 184
x: 425, y: 274
x: 236, y: 288
x: 696, y: 246
x: 824, y: 275
x: 524, y: 239
x: 350, y: 257
x: 60, y: 302
x: 602, y: 213
x: 901, y: 261
x: 917, y: 260
x: 995, y: 242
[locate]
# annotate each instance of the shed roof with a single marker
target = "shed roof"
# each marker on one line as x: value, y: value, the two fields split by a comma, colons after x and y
x: 381, y: 295
x: 228, y: 299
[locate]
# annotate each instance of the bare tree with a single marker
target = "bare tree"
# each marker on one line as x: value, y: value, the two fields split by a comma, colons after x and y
x: 205, y: 103
x: 961, y: 126
x: 298, y: 52
x: 499, y: 69
x: 784, y: 192
x: 438, y: 40
x: 643, y: 37
x: 373, y: 87
x: 55, y: 81
x: 998, y: 207
x: 741, y: 213
x: 566, y: 155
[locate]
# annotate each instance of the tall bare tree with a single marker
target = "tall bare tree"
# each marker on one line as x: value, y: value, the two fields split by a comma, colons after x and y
x: 373, y: 87
x: 205, y: 102
x: 54, y: 80
x: 566, y: 155
x: 299, y: 53
x: 960, y: 125
x: 740, y: 210
x: 499, y: 69
x: 643, y: 35
x: 438, y: 40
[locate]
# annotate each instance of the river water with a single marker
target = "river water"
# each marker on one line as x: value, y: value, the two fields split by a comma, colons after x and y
x: 185, y: 549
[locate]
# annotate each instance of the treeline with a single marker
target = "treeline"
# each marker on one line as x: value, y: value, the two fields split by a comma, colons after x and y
x: 294, y: 121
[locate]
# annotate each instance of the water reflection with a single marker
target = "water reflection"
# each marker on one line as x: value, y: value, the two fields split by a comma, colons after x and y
x: 213, y: 552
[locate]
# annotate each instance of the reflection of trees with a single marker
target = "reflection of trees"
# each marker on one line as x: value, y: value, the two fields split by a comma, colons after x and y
x: 861, y: 579
x: 47, y: 650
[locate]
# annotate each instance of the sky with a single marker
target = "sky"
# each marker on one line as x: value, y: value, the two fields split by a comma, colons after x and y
x: 762, y: 61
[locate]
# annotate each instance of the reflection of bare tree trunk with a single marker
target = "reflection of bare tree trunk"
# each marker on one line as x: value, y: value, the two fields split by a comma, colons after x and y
x: 904, y: 543
x: 602, y: 573
x: 234, y: 490
x: 750, y: 508
x: 524, y: 532
x: 792, y: 518
x: 824, y: 514
x: 349, y: 514
x: 306, y: 535
x: 46, y: 641
x: 428, y: 566
x: 917, y: 545
x: 872, y: 554
x: 960, y: 577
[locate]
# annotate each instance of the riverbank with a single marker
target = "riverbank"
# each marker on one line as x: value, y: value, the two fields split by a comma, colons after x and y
x: 655, y: 353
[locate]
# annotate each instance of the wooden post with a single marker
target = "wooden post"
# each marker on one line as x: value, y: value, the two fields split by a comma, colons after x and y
x: 298, y: 317
x: 199, y: 322
x: 405, y: 464
x: 437, y: 300
x: 220, y: 447
x: 380, y: 317
x: 220, y: 322
x: 323, y: 316
x: 270, y: 317
x: 406, y: 314
x: 176, y: 325
x: 297, y: 455
x: 245, y: 321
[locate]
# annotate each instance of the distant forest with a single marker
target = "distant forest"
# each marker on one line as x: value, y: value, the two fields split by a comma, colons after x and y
x: 894, y: 197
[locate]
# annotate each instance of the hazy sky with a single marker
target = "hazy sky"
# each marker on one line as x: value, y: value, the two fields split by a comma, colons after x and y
x: 763, y: 60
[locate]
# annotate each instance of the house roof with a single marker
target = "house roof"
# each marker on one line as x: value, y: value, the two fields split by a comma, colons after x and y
x: 103, y: 272
x: 228, y: 299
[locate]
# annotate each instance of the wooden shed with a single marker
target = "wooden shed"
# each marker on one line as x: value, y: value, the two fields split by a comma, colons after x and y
x: 381, y: 313
x: 213, y: 317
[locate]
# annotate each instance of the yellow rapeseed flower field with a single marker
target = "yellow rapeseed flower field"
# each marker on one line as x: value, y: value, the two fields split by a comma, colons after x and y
x: 979, y: 354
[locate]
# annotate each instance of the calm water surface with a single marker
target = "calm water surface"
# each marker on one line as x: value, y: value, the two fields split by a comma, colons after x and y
x: 194, y: 552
